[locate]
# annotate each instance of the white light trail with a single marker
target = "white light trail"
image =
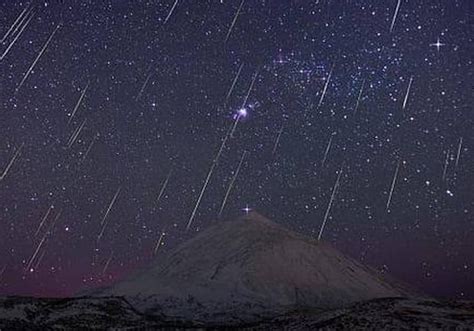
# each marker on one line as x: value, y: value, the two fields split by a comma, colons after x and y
x: 459, y: 152
x: 104, y: 221
x: 206, y: 182
x: 14, y: 25
x: 394, y: 180
x: 446, y: 163
x: 76, y: 134
x: 171, y: 11
x: 360, y: 95
x: 328, y: 147
x: 7, y: 169
x: 158, y: 244
x: 144, y: 86
x: 231, y: 184
x: 233, y: 83
x: 78, y: 103
x: 37, y: 58
x: 407, y: 93
x: 28, y: 18
x: 163, y: 187
x: 325, y: 87
x: 331, y: 200
x: 395, y: 15
x: 277, y: 140
x: 43, y: 220
x: 106, y: 266
x: 233, y: 21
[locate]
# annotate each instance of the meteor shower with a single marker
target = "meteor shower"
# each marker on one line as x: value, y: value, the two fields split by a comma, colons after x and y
x: 236, y: 164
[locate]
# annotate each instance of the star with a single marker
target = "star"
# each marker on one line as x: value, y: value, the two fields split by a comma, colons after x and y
x: 247, y: 209
x: 242, y: 112
x: 437, y: 44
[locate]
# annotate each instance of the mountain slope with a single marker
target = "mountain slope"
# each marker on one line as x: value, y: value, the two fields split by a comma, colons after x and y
x: 250, y: 267
x: 380, y: 314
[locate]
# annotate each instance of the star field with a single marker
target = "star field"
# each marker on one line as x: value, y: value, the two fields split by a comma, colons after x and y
x: 113, y: 114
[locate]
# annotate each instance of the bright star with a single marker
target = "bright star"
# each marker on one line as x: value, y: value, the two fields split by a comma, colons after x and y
x: 437, y: 44
x: 242, y: 112
x: 247, y: 209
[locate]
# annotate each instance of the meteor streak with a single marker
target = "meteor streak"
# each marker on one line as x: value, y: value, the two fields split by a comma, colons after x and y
x: 54, y: 221
x: 5, y: 172
x: 171, y: 11
x: 360, y: 95
x: 23, y: 19
x: 28, y: 18
x: 333, y: 194
x: 231, y: 184
x: 111, y: 205
x: 40, y: 244
x: 14, y: 25
x: 43, y: 220
x: 233, y: 83
x: 393, y: 185
x: 327, y: 150
x: 325, y: 87
x: 78, y: 103
x: 158, y: 244
x: 458, y: 153
x: 250, y: 89
x: 108, y: 263
x: 144, y: 86
x: 243, y: 111
x: 206, y: 182
x: 38, y: 262
x: 104, y: 219
x: 89, y: 148
x: 446, y: 162
x: 408, y: 92
x: 163, y: 187
x: 37, y: 58
x: 277, y: 140
x: 395, y: 15
x: 76, y: 134
x: 234, y: 20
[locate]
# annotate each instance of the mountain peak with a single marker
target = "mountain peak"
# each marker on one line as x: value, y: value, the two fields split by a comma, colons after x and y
x: 252, y: 261
x: 254, y: 216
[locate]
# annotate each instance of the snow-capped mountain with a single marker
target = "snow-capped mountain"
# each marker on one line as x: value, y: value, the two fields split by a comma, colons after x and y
x: 250, y: 274
x: 250, y: 267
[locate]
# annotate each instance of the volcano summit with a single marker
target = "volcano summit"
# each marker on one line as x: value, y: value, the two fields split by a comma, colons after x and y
x: 251, y: 267
x: 248, y: 273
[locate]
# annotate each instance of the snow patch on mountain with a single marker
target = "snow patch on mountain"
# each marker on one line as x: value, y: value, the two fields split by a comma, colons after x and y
x: 250, y: 266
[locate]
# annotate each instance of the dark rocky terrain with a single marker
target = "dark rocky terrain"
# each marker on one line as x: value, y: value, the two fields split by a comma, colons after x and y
x: 19, y: 313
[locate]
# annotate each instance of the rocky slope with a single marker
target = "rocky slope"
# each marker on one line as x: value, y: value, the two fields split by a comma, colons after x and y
x: 112, y: 313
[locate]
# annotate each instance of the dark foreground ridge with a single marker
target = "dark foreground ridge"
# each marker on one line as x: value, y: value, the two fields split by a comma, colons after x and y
x: 22, y: 313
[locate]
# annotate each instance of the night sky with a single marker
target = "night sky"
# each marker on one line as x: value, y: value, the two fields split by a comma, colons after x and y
x: 113, y: 113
